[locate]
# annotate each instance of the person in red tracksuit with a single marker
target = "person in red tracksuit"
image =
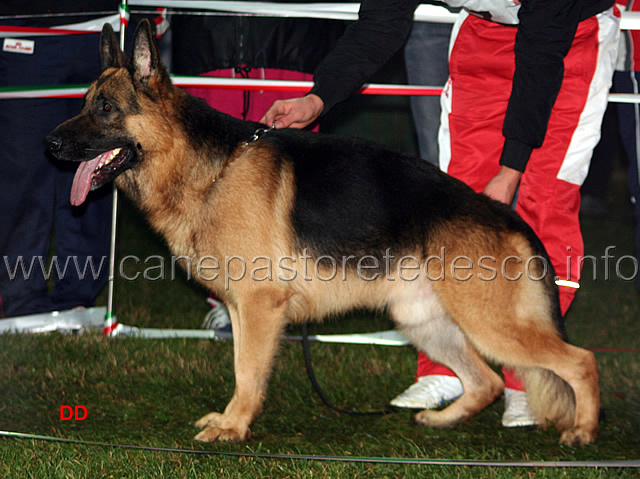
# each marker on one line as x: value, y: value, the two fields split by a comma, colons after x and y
x: 521, y: 112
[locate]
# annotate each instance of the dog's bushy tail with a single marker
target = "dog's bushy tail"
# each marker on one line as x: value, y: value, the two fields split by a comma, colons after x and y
x: 551, y: 399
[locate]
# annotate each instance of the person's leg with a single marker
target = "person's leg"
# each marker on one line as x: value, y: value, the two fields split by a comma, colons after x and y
x: 596, y: 184
x: 28, y: 182
x: 471, y: 127
x: 629, y: 120
x: 471, y: 137
x: 549, y: 193
x: 426, y: 59
x: 82, y: 234
x: 39, y: 189
x: 473, y: 113
x: 474, y: 161
x: 427, y: 63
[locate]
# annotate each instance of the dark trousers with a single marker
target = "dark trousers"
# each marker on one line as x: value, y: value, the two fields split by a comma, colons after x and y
x: 628, y: 117
x: 427, y: 62
x: 35, y: 207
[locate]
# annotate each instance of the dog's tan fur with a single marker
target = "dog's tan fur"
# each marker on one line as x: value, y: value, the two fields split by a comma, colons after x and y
x: 240, y: 205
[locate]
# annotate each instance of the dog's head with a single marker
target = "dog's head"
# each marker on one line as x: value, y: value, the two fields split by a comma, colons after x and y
x: 113, y: 131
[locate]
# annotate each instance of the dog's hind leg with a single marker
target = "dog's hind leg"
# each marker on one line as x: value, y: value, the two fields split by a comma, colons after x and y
x: 561, y: 379
x: 516, y: 329
x: 552, y: 400
x: 428, y: 327
x: 257, y: 327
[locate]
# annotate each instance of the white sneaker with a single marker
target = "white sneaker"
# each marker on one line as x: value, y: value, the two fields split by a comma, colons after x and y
x: 218, y: 319
x: 516, y: 409
x: 429, y: 392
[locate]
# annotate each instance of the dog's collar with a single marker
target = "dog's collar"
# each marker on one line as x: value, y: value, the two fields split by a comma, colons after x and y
x: 259, y: 133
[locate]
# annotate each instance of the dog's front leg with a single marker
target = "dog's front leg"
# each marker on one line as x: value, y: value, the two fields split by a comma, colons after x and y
x: 257, y: 327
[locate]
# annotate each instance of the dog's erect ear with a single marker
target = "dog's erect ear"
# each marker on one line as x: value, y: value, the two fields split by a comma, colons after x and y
x: 145, y: 61
x: 110, y: 53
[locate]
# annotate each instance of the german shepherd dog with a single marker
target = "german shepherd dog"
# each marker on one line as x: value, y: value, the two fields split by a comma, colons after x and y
x: 350, y: 224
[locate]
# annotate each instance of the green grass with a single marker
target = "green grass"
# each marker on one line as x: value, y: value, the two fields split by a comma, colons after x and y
x: 149, y: 392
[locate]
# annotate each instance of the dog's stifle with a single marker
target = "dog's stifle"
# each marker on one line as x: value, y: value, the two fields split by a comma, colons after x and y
x: 484, y: 287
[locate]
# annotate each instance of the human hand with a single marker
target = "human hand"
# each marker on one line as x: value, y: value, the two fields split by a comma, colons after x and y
x: 503, y: 186
x: 294, y: 113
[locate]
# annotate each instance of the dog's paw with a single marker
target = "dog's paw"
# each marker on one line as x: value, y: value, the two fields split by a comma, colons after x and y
x: 211, y: 434
x: 578, y: 436
x: 436, y: 419
x: 211, y: 419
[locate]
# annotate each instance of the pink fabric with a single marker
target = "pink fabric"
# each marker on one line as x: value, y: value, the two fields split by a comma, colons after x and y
x: 232, y: 102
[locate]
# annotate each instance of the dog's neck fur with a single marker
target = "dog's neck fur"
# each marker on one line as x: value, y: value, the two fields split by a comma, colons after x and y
x: 201, y: 140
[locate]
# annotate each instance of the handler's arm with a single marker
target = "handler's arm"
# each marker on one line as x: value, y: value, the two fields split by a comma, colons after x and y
x: 545, y: 33
x: 366, y: 45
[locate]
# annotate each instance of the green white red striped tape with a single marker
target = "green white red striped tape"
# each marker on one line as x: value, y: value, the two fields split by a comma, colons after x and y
x: 245, y: 84
x: 301, y: 87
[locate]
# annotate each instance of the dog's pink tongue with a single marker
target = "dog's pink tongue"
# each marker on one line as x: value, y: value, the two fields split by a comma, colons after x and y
x: 82, y: 181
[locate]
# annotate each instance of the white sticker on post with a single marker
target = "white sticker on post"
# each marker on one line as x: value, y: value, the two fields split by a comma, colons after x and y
x: 16, y: 45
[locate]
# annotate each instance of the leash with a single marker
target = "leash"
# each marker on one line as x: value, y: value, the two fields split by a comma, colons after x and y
x: 259, y: 133
x: 316, y: 386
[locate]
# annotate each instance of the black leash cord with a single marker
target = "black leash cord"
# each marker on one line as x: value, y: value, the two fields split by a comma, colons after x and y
x: 318, y: 389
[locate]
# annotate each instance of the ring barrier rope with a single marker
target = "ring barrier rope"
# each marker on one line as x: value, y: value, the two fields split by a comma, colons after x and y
x: 90, y: 26
x: 343, y: 11
x: 329, y: 11
x: 335, y: 11
x: 93, y: 318
x: 78, y: 91
x: 354, y: 459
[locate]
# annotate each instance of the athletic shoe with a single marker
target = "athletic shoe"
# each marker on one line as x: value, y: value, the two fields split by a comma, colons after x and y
x: 218, y: 319
x: 429, y: 392
x: 516, y: 409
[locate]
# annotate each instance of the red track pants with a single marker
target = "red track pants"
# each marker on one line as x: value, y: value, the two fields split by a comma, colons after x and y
x: 474, y: 102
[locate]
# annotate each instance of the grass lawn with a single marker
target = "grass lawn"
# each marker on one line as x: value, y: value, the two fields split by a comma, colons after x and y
x: 149, y: 392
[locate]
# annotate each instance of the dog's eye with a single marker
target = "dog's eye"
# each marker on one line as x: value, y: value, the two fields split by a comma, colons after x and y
x: 106, y: 106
